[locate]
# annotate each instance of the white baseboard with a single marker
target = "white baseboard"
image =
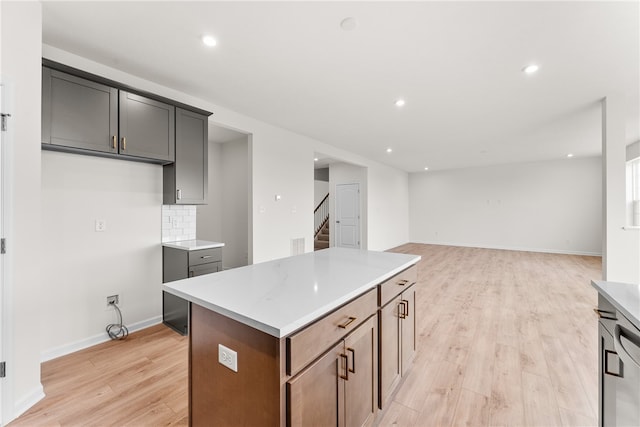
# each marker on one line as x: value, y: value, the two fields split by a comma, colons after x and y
x: 65, y: 349
x: 512, y: 248
x: 21, y: 406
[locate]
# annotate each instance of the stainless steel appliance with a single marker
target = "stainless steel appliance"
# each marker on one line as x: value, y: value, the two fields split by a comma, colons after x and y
x: 619, y: 368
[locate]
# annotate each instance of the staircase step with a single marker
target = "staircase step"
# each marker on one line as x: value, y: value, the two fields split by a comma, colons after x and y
x: 320, y: 244
x: 322, y: 236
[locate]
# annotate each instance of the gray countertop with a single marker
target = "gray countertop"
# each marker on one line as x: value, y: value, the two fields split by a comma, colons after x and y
x: 625, y: 297
x: 193, y: 245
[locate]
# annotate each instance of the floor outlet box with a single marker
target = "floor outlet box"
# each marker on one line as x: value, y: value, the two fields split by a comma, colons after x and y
x: 228, y: 357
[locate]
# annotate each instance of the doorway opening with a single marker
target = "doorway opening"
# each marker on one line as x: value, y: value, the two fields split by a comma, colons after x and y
x: 340, y: 214
x: 226, y: 218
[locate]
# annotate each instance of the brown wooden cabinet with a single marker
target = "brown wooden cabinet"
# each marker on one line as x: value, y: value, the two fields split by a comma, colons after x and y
x: 329, y: 372
x: 397, y: 325
x: 340, y: 388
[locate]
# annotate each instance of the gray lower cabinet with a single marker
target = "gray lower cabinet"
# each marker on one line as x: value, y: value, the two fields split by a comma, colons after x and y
x: 78, y: 113
x: 185, y: 180
x: 180, y: 264
x: 147, y: 127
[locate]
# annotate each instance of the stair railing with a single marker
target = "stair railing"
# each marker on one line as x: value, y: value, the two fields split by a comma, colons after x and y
x: 321, y: 214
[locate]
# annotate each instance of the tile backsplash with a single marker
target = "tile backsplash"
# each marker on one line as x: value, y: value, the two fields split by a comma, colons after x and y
x: 178, y: 223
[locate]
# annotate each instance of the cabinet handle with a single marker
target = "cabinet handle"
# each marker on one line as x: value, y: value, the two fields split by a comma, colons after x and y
x: 206, y: 256
x: 406, y: 313
x: 401, y: 312
x: 113, y: 142
x: 178, y: 194
x: 627, y: 353
x: 191, y: 273
x: 403, y: 282
x: 602, y: 314
x: 347, y: 323
x: 353, y: 360
x: 124, y: 144
x: 345, y: 359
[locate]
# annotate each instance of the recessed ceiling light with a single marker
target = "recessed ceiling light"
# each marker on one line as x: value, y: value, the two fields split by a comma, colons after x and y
x: 349, y: 24
x: 426, y: 168
x: 530, y: 69
x: 569, y: 155
x: 389, y: 150
x: 209, y: 41
x: 315, y: 159
x: 400, y: 103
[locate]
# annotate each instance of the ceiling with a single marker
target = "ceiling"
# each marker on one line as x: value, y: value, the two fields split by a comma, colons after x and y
x: 458, y: 66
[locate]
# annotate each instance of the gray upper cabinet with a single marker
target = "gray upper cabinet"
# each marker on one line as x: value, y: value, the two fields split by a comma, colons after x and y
x: 185, y: 180
x: 78, y: 113
x: 146, y: 127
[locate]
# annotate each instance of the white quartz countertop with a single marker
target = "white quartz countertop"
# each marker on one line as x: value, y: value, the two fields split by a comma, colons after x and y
x: 625, y: 297
x: 278, y: 297
x: 193, y: 245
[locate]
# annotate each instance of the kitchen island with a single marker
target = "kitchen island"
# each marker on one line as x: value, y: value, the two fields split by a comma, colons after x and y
x: 296, y: 340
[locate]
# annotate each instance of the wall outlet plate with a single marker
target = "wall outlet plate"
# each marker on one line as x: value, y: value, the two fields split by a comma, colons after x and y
x: 113, y: 299
x: 228, y: 357
x: 101, y: 225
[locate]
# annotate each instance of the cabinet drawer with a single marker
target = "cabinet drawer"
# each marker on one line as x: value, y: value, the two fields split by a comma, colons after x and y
x: 202, y: 269
x: 315, y: 339
x: 204, y: 256
x: 397, y: 284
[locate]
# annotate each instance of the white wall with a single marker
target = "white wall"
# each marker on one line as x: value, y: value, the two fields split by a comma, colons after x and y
x: 388, y: 208
x: 320, y: 190
x: 621, y: 247
x: 344, y: 173
x: 235, y: 203
x: 553, y: 206
x: 83, y: 266
x: 21, y: 38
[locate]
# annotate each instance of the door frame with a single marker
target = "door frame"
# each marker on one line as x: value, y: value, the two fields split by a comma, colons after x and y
x: 337, y: 208
x: 7, y: 409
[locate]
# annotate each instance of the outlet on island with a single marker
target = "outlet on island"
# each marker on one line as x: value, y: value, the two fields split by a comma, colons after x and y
x: 228, y: 357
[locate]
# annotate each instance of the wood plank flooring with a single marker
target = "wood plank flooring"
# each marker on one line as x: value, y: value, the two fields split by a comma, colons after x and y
x: 505, y: 338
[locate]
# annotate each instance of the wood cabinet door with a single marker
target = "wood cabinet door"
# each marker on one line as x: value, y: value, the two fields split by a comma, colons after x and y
x: 147, y: 128
x: 191, y: 164
x: 315, y: 397
x: 78, y: 113
x: 408, y: 327
x: 389, y: 349
x: 361, y: 384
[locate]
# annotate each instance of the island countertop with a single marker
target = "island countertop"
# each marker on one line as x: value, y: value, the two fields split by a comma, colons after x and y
x: 278, y: 297
x: 625, y: 297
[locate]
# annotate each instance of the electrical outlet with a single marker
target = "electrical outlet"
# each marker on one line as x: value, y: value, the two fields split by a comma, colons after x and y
x: 228, y: 357
x: 113, y: 299
x: 101, y: 225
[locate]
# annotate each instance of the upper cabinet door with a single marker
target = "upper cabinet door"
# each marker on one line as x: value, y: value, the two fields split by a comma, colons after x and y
x: 191, y: 157
x: 78, y: 113
x: 147, y: 128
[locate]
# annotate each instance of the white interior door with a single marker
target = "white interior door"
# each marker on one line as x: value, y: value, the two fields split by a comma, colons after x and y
x: 348, y: 216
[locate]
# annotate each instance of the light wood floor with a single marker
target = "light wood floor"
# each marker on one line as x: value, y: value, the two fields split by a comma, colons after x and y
x: 505, y: 338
